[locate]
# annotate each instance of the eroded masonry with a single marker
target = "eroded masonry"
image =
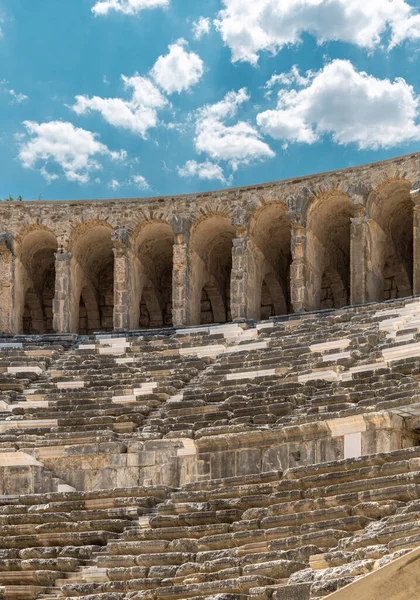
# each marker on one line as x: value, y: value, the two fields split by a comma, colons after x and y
x: 272, y: 458
x: 324, y: 241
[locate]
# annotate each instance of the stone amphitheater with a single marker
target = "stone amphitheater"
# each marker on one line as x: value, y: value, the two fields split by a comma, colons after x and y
x: 214, y: 397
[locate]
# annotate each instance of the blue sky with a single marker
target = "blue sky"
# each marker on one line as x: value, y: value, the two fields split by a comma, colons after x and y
x: 118, y: 98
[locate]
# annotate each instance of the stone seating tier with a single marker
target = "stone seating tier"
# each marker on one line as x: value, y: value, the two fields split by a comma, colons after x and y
x: 305, y: 532
x: 275, y: 460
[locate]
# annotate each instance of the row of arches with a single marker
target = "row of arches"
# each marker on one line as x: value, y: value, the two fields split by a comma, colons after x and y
x: 327, y: 255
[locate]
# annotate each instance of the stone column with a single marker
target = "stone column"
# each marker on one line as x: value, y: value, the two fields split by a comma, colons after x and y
x: 359, y: 257
x: 122, y: 279
x: 7, y: 285
x: 62, y: 297
x: 239, y: 275
x: 415, y: 196
x: 246, y: 280
x: 299, y: 272
x: 181, y: 276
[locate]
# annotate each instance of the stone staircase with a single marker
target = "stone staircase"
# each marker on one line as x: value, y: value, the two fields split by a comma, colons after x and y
x: 243, y: 461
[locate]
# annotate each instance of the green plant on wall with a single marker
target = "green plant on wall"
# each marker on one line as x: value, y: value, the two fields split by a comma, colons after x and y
x: 11, y: 199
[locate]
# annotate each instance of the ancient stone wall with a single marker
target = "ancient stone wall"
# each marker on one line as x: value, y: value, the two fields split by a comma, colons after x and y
x: 322, y: 241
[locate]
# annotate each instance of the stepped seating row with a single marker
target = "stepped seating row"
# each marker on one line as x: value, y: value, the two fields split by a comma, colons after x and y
x: 298, y: 534
x: 307, y: 531
x: 296, y: 377
x: 209, y: 381
x: 43, y: 537
x: 86, y: 392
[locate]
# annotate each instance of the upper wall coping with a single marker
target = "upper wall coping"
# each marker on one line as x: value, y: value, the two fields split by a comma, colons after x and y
x: 293, y: 181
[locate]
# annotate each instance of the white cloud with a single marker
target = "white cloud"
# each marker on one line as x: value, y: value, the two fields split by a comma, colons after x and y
x: 204, y: 170
x: 18, y: 97
x: 293, y: 76
x: 249, y: 27
x: 236, y: 144
x: 127, y: 7
x: 136, y: 180
x: 138, y: 114
x: 406, y: 29
x: 114, y: 184
x: 140, y: 182
x: 201, y: 27
x: 351, y: 106
x: 70, y: 148
x: 179, y: 70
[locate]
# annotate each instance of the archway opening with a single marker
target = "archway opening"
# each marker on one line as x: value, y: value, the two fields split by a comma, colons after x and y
x: 94, y: 283
x: 38, y: 258
x: 391, y: 248
x: 211, y: 242
x: 328, y: 250
x: 206, y: 309
x: 271, y: 235
x: 154, y: 250
x: 333, y: 292
x: 397, y: 283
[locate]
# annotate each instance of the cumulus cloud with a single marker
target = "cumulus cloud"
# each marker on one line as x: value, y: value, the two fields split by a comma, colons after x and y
x: 72, y: 149
x: 18, y: 97
x: 140, y: 182
x: 138, y: 114
x: 135, y: 180
x: 237, y: 144
x: 178, y: 70
x: 249, y: 27
x: 205, y: 170
x: 293, y: 76
x: 351, y: 106
x: 201, y: 27
x: 127, y: 7
x: 114, y: 184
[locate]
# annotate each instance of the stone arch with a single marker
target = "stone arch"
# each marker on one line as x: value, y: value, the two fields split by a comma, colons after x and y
x: 390, y: 244
x: 328, y: 229
x: 153, y: 248
x: 92, y: 268
x: 35, y: 278
x: 211, y: 265
x: 270, y: 235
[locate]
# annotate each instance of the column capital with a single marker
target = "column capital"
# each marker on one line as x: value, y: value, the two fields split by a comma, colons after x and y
x: 63, y: 257
x: 296, y: 220
x: 241, y: 231
x: 181, y: 226
x: 360, y: 216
